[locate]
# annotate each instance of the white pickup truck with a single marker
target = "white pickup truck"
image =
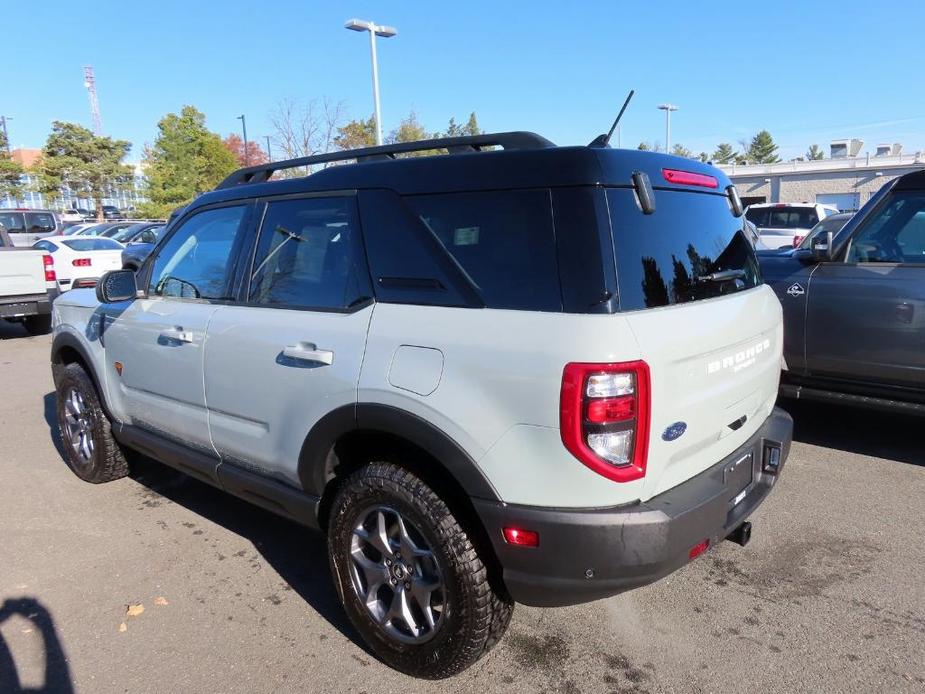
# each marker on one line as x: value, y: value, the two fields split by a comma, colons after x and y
x: 27, y: 286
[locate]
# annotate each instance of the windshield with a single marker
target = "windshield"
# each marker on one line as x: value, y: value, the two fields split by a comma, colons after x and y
x: 782, y: 217
x: 833, y: 224
x: 692, y: 248
x: 92, y: 244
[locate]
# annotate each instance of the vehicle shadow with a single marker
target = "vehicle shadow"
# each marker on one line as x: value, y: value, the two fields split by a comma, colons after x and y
x: 298, y: 554
x: 856, y: 430
x: 11, y: 331
x: 57, y: 677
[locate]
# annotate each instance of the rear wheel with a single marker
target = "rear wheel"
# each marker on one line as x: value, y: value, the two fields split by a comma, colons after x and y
x: 37, y: 325
x: 409, y: 576
x: 89, y: 447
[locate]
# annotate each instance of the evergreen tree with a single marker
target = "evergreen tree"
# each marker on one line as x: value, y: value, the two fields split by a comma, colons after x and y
x: 11, y: 172
x: 762, y: 149
x: 814, y: 153
x: 724, y: 153
x: 356, y: 134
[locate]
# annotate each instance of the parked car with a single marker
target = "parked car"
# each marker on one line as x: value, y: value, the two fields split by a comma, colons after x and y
x: 854, y: 310
x: 110, y: 212
x: 79, y: 261
x: 72, y: 229
x: 510, y: 382
x: 139, y: 247
x: 25, y: 227
x: 780, y: 223
x: 833, y: 223
x: 27, y: 285
x: 74, y: 215
x: 133, y: 232
x: 103, y: 228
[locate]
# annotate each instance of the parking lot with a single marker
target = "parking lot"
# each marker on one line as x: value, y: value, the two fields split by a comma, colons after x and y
x: 828, y: 596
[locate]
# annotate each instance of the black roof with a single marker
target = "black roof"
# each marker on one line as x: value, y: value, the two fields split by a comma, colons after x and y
x: 536, y: 163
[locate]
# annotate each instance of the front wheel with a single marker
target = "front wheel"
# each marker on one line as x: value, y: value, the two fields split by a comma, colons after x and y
x: 410, y: 578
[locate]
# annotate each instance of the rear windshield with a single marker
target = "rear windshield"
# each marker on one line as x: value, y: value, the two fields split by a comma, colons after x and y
x: 672, y: 256
x: 783, y: 217
x: 96, y: 243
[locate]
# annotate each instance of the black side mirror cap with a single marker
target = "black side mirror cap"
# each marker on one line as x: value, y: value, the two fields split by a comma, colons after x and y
x: 116, y: 285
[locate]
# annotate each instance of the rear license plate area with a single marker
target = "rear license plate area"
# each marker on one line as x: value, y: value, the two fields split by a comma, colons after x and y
x: 737, y: 476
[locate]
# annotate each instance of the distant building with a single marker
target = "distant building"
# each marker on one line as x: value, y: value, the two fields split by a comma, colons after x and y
x: 847, y: 179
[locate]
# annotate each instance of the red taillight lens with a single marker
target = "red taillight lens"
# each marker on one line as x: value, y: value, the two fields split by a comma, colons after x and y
x: 797, y: 240
x: 698, y: 549
x: 49, y: 264
x: 689, y: 178
x: 81, y: 262
x: 604, y: 417
x: 521, y: 537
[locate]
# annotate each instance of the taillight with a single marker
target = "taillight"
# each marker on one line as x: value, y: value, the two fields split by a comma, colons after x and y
x: 81, y: 262
x: 604, y: 417
x: 689, y: 178
x: 521, y: 537
x: 797, y: 240
x: 49, y: 264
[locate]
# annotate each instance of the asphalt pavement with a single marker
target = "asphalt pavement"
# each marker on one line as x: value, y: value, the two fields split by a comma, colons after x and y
x: 159, y: 583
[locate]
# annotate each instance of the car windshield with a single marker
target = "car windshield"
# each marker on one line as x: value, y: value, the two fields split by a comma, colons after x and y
x: 124, y: 233
x: 782, y: 217
x: 93, y: 244
x: 833, y: 224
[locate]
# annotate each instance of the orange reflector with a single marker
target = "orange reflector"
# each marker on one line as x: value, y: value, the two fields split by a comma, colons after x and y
x: 524, y: 538
x: 118, y: 366
x: 698, y: 549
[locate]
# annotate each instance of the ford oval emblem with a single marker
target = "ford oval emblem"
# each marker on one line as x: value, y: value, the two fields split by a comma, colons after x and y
x: 674, y: 431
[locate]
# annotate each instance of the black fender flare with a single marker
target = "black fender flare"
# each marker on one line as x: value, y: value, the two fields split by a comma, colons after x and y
x: 68, y: 340
x: 315, y: 459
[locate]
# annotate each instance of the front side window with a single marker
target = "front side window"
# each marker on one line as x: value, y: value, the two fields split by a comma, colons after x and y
x: 309, y: 255
x: 13, y: 221
x: 196, y: 262
x: 895, y: 233
x: 39, y: 222
x: 503, y: 240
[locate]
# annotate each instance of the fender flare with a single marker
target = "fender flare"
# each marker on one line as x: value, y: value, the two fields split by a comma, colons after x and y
x: 316, y: 457
x: 65, y: 339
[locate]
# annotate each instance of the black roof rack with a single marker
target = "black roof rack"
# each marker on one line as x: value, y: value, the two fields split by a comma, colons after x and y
x: 469, y: 143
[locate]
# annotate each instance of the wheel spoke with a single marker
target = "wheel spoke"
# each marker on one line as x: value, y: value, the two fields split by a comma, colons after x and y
x: 408, y: 548
x: 401, y: 609
x: 85, y: 449
x: 421, y: 591
x: 374, y: 574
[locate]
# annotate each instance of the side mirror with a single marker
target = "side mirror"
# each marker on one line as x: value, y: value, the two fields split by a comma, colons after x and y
x: 116, y: 285
x: 822, y: 247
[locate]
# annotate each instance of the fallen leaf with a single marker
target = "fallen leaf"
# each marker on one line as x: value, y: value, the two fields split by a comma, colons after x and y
x: 27, y: 631
x: 135, y: 610
x: 123, y: 627
x: 161, y: 601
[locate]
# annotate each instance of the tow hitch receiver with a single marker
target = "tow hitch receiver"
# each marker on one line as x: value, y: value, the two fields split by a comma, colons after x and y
x: 742, y: 534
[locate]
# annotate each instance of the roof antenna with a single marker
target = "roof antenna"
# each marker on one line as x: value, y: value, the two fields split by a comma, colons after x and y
x: 604, y: 140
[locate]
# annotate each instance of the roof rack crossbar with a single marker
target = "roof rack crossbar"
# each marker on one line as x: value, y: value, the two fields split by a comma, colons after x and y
x: 453, y: 145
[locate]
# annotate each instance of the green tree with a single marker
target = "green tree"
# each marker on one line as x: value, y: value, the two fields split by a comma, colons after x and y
x: 724, y: 153
x: 762, y: 149
x: 89, y: 165
x: 815, y: 153
x: 356, y: 133
x: 704, y: 157
x: 680, y: 150
x: 11, y: 172
x: 454, y: 129
x: 411, y: 130
x: 645, y: 147
x: 186, y: 159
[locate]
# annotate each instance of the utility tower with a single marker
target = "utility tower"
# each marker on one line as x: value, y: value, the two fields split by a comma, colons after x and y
x: 90, y: 84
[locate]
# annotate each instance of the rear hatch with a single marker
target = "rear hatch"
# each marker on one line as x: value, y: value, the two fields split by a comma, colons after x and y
x: 710, y: 332
x: 22, y: 272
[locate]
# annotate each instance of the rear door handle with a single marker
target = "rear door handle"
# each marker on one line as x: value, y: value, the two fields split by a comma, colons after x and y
x: 177, y: 334
x: 307, y: 351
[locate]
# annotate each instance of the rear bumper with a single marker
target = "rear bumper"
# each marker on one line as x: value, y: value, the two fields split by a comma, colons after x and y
x: 589, y: 554
x: 27, y: 304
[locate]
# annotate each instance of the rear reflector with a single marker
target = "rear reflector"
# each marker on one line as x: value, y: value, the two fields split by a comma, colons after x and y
x: 698, y: 549
x: 611, y: 409
x: 49, y: 264
x: 81, y: 262
x: 521, y: 537
x: 689, y: 178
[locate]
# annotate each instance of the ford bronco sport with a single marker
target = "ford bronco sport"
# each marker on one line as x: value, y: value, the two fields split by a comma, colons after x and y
x: 511, y: 372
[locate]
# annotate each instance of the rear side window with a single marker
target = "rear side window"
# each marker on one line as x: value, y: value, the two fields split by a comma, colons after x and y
x: 13, y: 221
x: 309, y: 255
x: 783, y: 217
x: 503, y: 240
x: 40, y: 222
x: 97, y: 243
x: 671, y: 256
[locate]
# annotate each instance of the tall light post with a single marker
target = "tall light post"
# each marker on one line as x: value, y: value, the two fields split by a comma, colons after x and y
x: 244, y: 129
x: 269, y: 155
x: 374, y: 31
x: 667, y: 108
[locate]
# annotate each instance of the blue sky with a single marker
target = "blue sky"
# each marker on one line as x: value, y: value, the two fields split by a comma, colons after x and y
x: 808, y: 72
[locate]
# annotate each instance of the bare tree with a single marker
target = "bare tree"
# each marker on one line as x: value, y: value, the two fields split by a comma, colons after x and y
x: 303, y: 129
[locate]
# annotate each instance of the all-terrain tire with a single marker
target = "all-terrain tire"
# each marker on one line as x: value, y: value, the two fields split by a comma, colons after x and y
x: 474, y: 616
x: 106, y: 461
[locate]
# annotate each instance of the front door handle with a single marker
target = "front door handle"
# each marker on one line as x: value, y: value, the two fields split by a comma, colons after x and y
x: 307, y: 351
x: 177, y: 334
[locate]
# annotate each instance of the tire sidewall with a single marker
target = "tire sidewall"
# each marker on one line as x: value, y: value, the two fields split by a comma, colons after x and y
x: 414, y: 659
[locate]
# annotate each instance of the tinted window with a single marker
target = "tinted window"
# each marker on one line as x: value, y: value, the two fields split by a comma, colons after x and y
x: 93, y: 244
x: 309, y: 255
x: 667, y: 257
x: 894, y: 234
x: 13, y: 221
x: 196, y: 260
x: 783, y: 217
x: 40, y: 222
x: 503, y: 240
x: 45, y: 246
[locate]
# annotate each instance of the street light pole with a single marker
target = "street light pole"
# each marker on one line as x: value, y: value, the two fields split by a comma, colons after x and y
x: 244, y: 128
x: 269, y: 156
x: 374, y: 31
x: 667, y: 108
